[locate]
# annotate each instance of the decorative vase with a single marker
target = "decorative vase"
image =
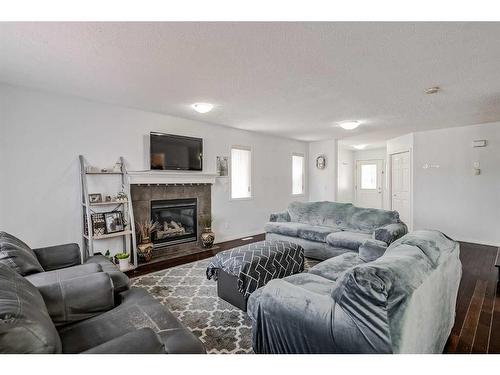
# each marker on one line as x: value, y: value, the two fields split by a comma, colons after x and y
x: 145, y: 251
x: 207, y: 238
x: 123, y: 264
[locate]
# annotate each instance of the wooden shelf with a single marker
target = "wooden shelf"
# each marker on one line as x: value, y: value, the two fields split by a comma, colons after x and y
x: 111, y: 235
x: 101, y: 173
x: 106, y: 203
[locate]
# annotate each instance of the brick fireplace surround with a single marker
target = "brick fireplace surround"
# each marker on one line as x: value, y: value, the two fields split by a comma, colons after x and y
x: 143, y: 194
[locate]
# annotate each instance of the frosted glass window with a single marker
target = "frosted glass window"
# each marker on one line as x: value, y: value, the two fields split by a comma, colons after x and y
x: 369, y: 176
x: 241, y: 173
x: 297, y: 174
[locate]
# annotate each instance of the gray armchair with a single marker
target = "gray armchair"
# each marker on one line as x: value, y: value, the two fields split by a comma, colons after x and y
x: 138, y: 324
x: 62, y: 262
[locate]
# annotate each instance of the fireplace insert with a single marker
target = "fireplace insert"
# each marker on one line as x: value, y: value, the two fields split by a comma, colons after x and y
x: 177, y: 221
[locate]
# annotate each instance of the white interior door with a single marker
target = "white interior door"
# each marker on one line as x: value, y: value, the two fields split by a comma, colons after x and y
x: 369, y: 180
x: 400, y: 185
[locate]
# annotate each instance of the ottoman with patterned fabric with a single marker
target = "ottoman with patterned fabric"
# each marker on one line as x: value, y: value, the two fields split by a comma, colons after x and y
x: 242, y: 270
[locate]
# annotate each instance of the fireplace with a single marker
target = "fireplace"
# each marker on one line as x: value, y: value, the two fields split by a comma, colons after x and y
x: 177, y: 221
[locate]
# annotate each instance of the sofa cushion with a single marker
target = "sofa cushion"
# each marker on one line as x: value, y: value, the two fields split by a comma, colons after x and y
x: 371, y: 250
x: 315, y: 232
x: 15, y: 254
x: 348, y: 240
x: 121, y: 282
x: 25, y: 324
x: 137, y: 310
x: 332, y: 214
x: 332, y: 268
x: 284, y: 228
x: 366, y: 220
x: 50, y: 277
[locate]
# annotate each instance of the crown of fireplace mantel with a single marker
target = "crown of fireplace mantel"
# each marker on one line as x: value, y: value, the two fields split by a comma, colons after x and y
x: 170, y: 177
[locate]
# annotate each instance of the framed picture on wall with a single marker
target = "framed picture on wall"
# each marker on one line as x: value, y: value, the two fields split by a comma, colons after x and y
x: 114, y: 222
x: 222, y: 166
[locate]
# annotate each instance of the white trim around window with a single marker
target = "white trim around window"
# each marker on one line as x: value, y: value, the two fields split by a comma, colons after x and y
x: 298, y: 174
x: 241, y: 173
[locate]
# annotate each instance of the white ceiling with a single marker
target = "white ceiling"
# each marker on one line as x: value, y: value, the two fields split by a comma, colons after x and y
x: 289, y: 79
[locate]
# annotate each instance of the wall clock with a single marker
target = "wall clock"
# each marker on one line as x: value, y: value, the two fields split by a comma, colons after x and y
x: 321, y: 162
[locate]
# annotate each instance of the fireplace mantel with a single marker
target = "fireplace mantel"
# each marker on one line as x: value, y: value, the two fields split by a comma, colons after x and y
x: 170, y: 177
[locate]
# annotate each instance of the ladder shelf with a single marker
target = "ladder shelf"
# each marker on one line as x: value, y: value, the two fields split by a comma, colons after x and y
x: 128, y: 234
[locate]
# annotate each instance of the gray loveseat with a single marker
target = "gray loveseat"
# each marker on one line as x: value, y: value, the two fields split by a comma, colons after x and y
x: 402, y: 302
x: 65, y: 308
x: 327, y: 229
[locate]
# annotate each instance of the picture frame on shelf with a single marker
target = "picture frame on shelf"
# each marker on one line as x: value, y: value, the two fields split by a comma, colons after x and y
x: 95, y: 198
x: 98, y: 224
x: 114, y: 222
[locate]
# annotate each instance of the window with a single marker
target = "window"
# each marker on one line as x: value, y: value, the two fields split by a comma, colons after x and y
x: 241, y: 173
x: 297, y: 174
x: 369, y: 176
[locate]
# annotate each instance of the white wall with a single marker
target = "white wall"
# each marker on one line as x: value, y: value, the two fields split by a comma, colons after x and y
x: 450, y: 198
x: 345, y: 182
x: 323, y: 182
x: 43, y: 134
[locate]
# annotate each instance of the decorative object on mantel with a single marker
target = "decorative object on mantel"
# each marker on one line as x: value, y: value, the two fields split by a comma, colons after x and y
x: 222, y: 166
x: 123, y: 261
x: 321, y: 162
x: 95, y: 198
x: 207, y: 236
x: 108, y: 198
x: 145, y: 248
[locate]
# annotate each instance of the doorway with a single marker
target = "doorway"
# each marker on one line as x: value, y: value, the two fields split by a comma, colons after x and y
x: 369, y: 180
x: 401, y: 186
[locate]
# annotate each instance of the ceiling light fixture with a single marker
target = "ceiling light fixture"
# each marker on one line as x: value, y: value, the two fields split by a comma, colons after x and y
x: 349, y: 125
x: 359, y: 147
x: 202, y: 107
x: 432, y: 90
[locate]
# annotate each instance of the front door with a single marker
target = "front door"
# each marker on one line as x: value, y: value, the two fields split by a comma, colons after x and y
x: 400, y: 185
x: 369, y: 180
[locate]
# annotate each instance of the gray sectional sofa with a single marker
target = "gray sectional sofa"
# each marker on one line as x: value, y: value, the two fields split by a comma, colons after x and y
x: 50, y: 303
x: 402, y: 302
x: 327, y: 229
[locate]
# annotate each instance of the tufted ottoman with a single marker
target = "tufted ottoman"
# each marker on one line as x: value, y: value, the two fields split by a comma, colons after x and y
x: 242, y: 270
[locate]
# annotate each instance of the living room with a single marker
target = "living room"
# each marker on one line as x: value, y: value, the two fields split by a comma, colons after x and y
x: 249, y: 188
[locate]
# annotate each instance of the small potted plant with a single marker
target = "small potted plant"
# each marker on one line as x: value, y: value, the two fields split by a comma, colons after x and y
x: 123, y: 261
x: 145, y: 230
x: 207, y: 236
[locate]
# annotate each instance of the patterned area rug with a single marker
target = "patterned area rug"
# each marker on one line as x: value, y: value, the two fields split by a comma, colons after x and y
x: 185, y: 290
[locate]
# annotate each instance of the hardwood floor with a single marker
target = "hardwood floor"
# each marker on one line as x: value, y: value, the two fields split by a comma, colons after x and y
x: 477, y: 323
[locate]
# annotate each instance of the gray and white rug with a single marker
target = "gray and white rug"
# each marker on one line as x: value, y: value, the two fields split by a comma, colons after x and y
x: 192, y: 298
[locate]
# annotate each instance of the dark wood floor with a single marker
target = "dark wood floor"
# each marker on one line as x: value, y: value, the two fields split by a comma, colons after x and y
x: 477, y: 324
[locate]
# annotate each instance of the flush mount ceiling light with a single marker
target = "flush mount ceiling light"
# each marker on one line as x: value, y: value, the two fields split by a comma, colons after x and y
x: 359, y: 147
x: 202, y: 107
x: 349, y: 125
x: 432, y: 90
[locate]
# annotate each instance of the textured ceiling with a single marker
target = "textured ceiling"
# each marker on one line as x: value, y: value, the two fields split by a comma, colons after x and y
x: 289, y: 79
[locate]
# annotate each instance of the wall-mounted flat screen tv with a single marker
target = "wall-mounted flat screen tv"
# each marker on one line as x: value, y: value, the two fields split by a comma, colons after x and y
x: 175, y: 152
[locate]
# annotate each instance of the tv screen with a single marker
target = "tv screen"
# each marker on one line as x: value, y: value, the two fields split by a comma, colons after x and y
x: 175, y: 152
